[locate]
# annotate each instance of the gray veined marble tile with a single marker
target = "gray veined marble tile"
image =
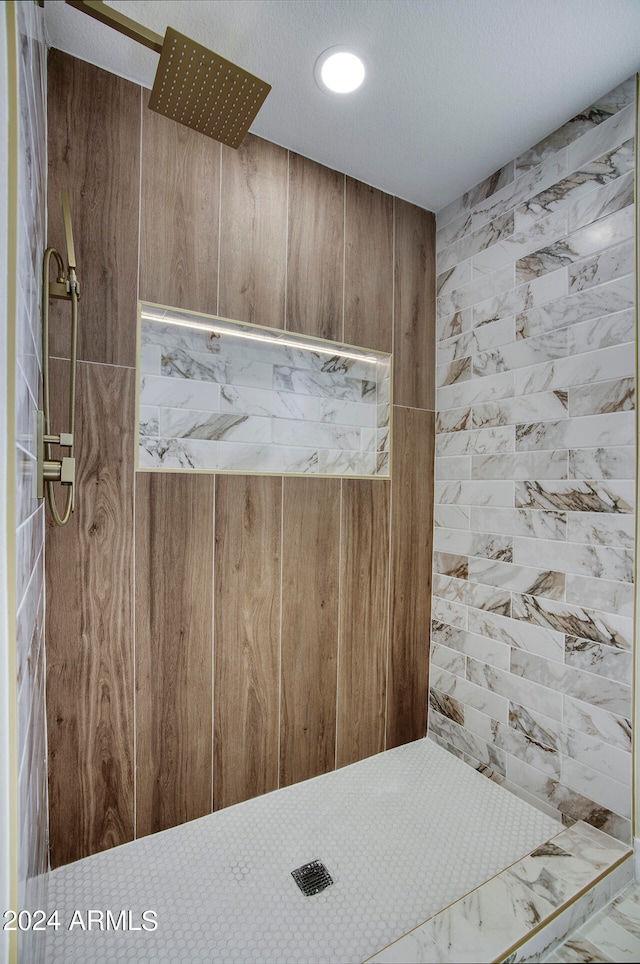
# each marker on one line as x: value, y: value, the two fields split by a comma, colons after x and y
x: 588, y: 240
x: 517, y: 634
x: 450, y: 230
x: 592, y: 366
x: 475, y: 391
x: 516, y: 300
x: 448, y: 612
x: 480, y: 339
x: 615, y: 329
x: 601, y: 202
x: 486, y: 286
x: 522, y: 522
x: 236, y: 457
x: 487, y: 236
x: 149, y: 420
x: 446, y: 706
x: 453, y: 372
x: 593, y: 561
x: 451, y: 516
x: 467, y: 593
x: 179, y: 393
x: 469, y: 694
x: 315, y: 434
x: 303, y: 382
x: 597, y: 786
x: 617, y: 130
x: 177, y: 453
x: 185, y: 424
x: 597, y: 690
x: 255, y: 401
x: 589, y: 843
x: 598, y: 658
x: 599, y: 593
x: 534, y: 727
x: 150, y: 359
x: 457, y: 467
x: 178, y: 363
x: 516, y: 689
x: 463, y: 739
x: 576, y: 496
x: 609, y: 760
x: 598, y: 723
x: 486, y: 545
x: 340, y: 411
x: 604, y: 628
x: 475, y: 493
x: 450, y: 564
x: 344, y: 462
x: 576, y: 308
x: 520, y: 578
x: 484, y: 189
x: 500, y: 438
x: 613, y: 396
x: 454, y: 324
x: 449, y: 659
x: 595, y: 528
x: 454, y: 278
x: 581, y: 124
x: 534, y: 237
x: 612, y: 428
x: 521, y: 354
x: 512, y: 742
x: 599, y: 268
x: 168, y: 336
x: 617, y: 462
x: 611, y: 164
x: 471, y: 644
x: 454, y: 420
x: 530, y: 182
x: 521, y: 465
x: 522, y: 408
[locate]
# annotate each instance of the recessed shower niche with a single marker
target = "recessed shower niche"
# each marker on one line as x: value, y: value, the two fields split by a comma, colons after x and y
x: 216, y: 395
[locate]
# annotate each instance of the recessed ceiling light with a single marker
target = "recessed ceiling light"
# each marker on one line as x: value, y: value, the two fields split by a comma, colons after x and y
x: 339, y: 70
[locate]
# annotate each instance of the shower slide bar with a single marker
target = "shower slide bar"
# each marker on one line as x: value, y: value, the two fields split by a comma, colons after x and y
x: 67, y: 288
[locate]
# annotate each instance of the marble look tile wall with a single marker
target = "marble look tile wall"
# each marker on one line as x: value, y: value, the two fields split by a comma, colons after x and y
x: 532, y: 632
x: 32, y: 170
x: 216, y: 400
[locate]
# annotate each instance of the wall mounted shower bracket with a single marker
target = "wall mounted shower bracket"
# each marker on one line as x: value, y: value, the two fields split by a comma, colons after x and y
x: 54, y: 470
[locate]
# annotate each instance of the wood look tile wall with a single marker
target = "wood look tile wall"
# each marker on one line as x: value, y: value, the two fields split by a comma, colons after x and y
x: 302, y: 605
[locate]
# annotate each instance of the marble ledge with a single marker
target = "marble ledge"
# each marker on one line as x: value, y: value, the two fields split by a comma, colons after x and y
x: 537, y: 890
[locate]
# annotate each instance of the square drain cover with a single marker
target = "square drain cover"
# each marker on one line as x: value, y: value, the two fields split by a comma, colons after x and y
x: 312, y: 878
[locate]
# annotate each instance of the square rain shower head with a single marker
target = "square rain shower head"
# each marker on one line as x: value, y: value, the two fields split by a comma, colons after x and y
x: 202, y: 90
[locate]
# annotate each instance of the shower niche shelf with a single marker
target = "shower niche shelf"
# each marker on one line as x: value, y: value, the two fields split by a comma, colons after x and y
x: 216, y: 395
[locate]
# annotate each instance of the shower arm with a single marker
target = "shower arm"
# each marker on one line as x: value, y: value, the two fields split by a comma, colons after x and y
x: 67, y: 288
x: 125, y: 25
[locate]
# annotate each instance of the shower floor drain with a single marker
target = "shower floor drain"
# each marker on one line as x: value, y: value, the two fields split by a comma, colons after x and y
x: 312, y: 878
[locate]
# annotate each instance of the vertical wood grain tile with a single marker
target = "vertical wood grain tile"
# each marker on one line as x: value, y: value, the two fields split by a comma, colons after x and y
x: 174, y: 567
x: 247, y: 637
x: 89, y: 627
x: 368, y: 297
x: 315, y: 263
x: 411, y: 550
x: 94, y: 151
x: 253, y: 232
x: 179, y: 214
x: 364, y: 600
x: 310, y: 560
x: 414, y: 346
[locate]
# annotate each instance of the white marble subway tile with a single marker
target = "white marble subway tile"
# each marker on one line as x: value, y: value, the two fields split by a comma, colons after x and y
x: 597, y: 786
x: 480, y: 192
x: 346, y: 413
x: 450, y: 564
x: 576, y: 495
x: 521, y: 465
x: 476, y: 390
x: 475, y: 493
x: 512, y: 742
x: 505, y: 575
x: 616, y: 395
x: 450, y: 660
x: 516, y: 634
x: 486, y: 286
x: 593, y: 305
x: 471, y: 644
x: 610, y: 940
x: 452, y: 278
x: 149, y: 420
x: 480, y: 441
x: 317, y: 434
x: 598, y: 658
x: 470, y: 694
x: 611, y: 428
x: 151, y: 359
x: 454, y: 324
x: 481, y: 750
x: 580, y: 125
x: 454, y: 420
x: 612, y: 630
x: 609, y: 760
x: 344, y: 462
x: 446, y: 611
x: 453, y: 468
x: 599, y: 268
x: 532, y: 182
x: 521, y: 522
x: 549, y: 287
x: 618, y: 129
x: 597, y: 528
x: 451, y: 229
x: 451, y: 516
x: 184, y: 423
x: 611, y: 164
x: 590, y: 843
x: 183, y: 364
x: 593, y: 561
x: 487, y: 236
x: 169, y: 336
x: 484, y: 544
x: 521, y: 354
x: 603, y: 201
x: 480, y: 339
x: 274, y: 404
x: 536, y: 727
x: 600, y: 593
x: 599, y: 691
x: 514, y: 688
x: 456, y: 371
x: 166, y: 453
x: 592, y: 366
x: 603, y: 463
x: 324, y: 384
x: 521, y: 408
x: 236, y: 457
x: 179, y: 393
x: 472, y: 594
x: 519, y: 245
x: 597, y: 723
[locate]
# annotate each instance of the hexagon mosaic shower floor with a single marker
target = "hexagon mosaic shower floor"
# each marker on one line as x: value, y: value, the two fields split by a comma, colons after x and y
x: 402, y: 834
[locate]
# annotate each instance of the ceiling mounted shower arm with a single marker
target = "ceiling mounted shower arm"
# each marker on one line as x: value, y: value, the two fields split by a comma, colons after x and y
x: 125, y: 25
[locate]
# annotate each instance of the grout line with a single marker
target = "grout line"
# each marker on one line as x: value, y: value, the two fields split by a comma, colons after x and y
x: 280, y: 628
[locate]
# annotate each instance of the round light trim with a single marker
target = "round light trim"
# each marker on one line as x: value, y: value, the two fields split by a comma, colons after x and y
x: 339, y: 70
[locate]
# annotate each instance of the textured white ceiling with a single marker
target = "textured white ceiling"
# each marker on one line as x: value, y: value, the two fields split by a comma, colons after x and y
x: 456, y: 88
